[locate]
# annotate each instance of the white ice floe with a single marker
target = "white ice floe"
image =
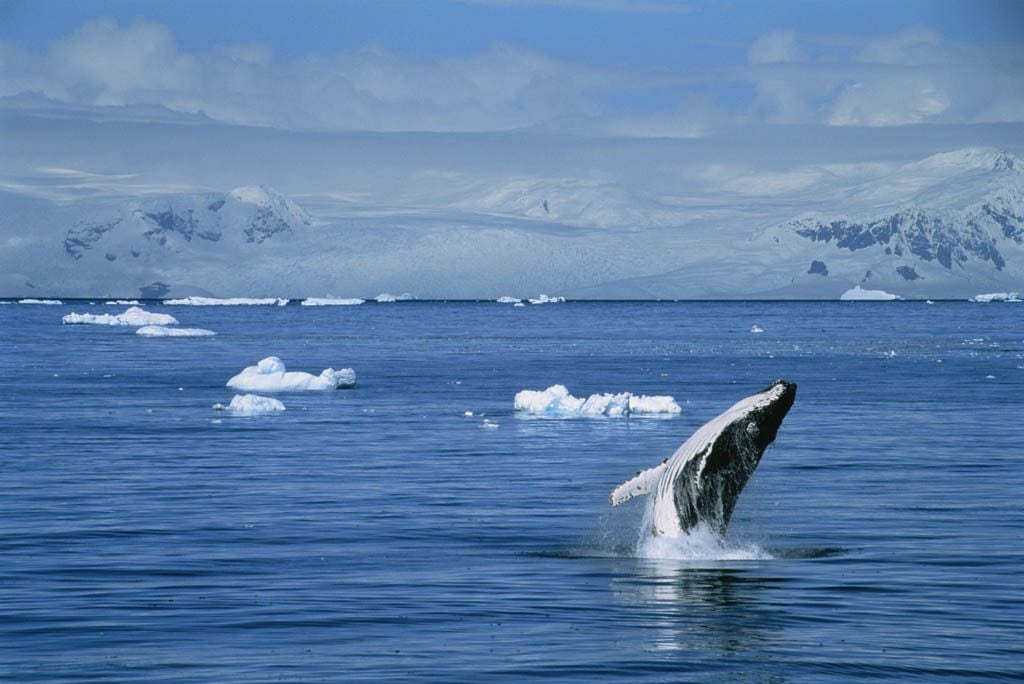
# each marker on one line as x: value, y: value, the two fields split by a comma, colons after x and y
x: 997, y: 297
x: 269, y: 375
x: 556, y: 402
x: 251, y: 405
x: 858, y: 294
x: 161, y: 331
x: 229, y: 301
x: 385, y: 297
x: 544, y: 299
x: 51, y: 302
x: 489, y: 424
x: 331, y: 301
x: 519, y: 305
x: 508, y: 300
x: 756, y: 328
x: 122, y: 302
x: 132, y: 316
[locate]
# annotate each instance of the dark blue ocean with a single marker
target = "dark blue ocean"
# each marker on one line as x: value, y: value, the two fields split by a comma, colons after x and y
x: 381, y: 534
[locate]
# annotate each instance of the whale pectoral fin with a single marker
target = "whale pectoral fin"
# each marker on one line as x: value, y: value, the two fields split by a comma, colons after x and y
x: 642, y: 484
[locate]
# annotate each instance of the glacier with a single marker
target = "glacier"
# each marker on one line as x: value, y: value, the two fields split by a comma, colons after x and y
x: 226, y: 301
x: 270, y: 375
x: 947, y: 225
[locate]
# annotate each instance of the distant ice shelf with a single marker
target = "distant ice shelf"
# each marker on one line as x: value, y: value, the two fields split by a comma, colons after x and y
x: 229, y: 301
x: 270, y: 375
x: 544, y: 299
x: 858, y: 294
x: 162, y: 331
x: 556, y: 402
x: 508, y: 300
x: 331, y: 301
x: 384, y: 297
x: 50, y: 302
x: 132, y: 316
x: 997, y: 297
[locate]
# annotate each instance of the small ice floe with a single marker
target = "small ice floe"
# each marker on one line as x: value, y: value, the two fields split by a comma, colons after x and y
x: 228, y: 301
x: 928, y: 301
x: 489, y: 424
x: 50, y: 302
x: 162, y: 331
x: 251, y: 405
x: 384, y: 297
x: 121, y: 302
x: 132, y: 316
x: 544, y: 299
x: 858, y: 294
x: 997, y: 297
x: 331, y: 301
x: 269, y: 375
x: 508, y: 300
x: 990, y: 377
x: 756, y: 328
x: 468, y: 414
x: 889, y: 354
x: 556, y: 402
x: 519, y: 305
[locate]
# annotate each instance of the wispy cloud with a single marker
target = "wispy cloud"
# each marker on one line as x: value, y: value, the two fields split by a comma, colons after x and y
x: 616, y: 6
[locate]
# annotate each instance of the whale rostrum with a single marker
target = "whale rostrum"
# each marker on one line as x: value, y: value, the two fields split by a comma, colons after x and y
x: 702, y: 480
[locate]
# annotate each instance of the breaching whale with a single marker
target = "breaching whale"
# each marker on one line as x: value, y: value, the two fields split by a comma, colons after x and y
x: 701, y: 481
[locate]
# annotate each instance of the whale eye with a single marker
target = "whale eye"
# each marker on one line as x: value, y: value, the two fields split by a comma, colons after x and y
x: 752, y: 429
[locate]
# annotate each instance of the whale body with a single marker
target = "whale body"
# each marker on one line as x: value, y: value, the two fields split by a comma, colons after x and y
x: 702, y: 480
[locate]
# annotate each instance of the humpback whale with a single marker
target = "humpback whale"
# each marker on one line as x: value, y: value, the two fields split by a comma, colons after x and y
x: 703, y: 479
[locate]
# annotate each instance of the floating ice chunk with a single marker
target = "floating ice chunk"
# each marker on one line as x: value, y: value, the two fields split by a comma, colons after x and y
x: 489, y: 424
x: 997, y: 297
x: 653, y: 405
x: 858, y: 294
x: 122, y: 302
x: 269, y: 375
x: 756, y: 328
x: 251, y: 405
x: 229, y: 301
x: 508, y: 300
x: 330, y: 301
x: 132, y: 316
x: 161, y: 331
x: 556, y: 402
x: 519, y: 305
x: 51, y: 302
x: 928, y: 301
x: 385, y: 297
x: 544, y: 299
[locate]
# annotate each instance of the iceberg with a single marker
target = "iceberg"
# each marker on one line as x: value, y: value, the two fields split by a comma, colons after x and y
x: 269, y: 375
x: 997, y: 297
x: 508, y: 300
x: 229, y: 301
x: 544, y: 299
x: 857, y: 294
x: 556, y: 402
x: 251, y: 405
x: 330, y: 301
x: 756, y: 328
x: 385, y: 297
x: 161, y: 331
x: 51, y: 302
x: 132, y: 316
x: 122, y: 302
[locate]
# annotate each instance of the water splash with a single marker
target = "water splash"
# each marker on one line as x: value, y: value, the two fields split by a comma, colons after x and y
x: 700, y: 543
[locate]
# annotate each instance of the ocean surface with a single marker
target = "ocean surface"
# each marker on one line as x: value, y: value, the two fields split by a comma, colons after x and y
x: 379, y: 533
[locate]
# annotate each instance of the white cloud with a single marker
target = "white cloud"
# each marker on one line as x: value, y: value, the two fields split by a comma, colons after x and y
x: 616, y: 6
x: 775, y: 47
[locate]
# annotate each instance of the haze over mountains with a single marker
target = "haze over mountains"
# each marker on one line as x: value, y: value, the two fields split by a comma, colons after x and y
x: 479, y: 216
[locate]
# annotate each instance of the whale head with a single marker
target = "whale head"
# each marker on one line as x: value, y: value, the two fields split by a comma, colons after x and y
x: 702, y: 480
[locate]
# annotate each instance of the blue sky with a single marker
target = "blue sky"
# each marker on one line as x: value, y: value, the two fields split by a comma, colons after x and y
x: 597, y: 67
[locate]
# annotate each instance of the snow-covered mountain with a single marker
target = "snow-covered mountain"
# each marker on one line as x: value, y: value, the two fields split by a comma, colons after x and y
x: 950, y: 225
